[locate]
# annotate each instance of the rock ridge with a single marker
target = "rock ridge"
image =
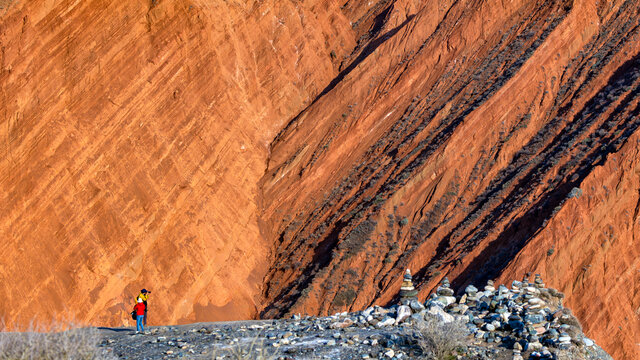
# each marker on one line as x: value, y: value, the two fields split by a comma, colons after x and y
x: 526, y: 321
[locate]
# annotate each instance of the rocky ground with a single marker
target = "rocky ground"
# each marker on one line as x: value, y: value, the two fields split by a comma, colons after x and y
x: 308, y: 338
x: 524, y: 322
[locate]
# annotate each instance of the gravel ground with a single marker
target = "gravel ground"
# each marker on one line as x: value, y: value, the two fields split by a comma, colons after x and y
x: 287, y: 339
x: 527, y: 321
x: 309, y: 338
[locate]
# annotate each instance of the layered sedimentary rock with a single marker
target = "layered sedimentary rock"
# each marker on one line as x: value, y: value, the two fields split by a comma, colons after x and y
x: 589, y: 248
x: 268, y: 158
x: 453, y: 146
x: 134, y: 135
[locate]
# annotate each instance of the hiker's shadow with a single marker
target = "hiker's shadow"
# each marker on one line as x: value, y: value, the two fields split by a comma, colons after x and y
x: 113, y: 329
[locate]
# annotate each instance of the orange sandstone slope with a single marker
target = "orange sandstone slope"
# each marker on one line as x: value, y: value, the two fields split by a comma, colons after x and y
x: 474, y: 140
x: 133, y: 137
x: 264, y: 158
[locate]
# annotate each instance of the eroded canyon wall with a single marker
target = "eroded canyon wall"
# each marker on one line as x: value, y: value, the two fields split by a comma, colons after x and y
x: 456, y: 145
x: 265, y: 158
x: 134, y: 134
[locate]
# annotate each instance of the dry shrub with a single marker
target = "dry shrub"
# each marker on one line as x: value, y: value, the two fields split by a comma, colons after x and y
x: 255, y: 350
x: 552, y: 297
x: 51, y: 342
x: 567, y: 317
x: 438, y: 338
x: 573, y: 353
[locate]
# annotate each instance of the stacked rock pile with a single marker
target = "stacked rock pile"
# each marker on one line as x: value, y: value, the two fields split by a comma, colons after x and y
x: 407, y: 291
x: 527, y: 317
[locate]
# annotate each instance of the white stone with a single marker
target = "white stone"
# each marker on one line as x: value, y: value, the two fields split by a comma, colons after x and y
x: 440, y: 314
x: 463, y: 309
x: 388, y: 321
x: 403, y: 312
x: 342, y: 324
x: 389, y: 353
x: 367, y: 312
x: 588, y: 342
x: 564, y: 339
x: 446, y: 300
x: 531, y: 290
x: 535, y: 345
x: 463, y: 299
x: 505, y: 316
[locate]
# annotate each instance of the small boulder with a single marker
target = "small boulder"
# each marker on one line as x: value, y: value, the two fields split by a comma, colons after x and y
x: 416, y: 306
x: 342, y: 324
x: 386, y: 321
x: 390, y: 353
x: 440, y: 314
x: 404, y: 312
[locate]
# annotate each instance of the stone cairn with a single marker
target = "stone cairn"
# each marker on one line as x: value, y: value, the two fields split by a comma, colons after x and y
x: 527, y: 318
x: 518, y: 318
x: 407, y: 291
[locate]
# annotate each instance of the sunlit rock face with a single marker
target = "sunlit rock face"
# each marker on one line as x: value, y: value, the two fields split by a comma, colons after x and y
x: 259, y: 159
x: 134, y: 135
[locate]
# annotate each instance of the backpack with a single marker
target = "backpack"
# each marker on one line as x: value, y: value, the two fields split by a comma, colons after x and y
x: 133, y: 315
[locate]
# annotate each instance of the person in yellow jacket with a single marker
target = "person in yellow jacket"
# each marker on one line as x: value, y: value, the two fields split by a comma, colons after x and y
x: 144, y: 296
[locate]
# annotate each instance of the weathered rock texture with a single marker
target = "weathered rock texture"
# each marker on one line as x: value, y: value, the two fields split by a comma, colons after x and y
x: 134, y: 135
x: 248, y: 159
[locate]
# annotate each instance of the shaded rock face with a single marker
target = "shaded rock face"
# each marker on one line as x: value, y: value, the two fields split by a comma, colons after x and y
x: 477, y: 144
x: 269, y: 158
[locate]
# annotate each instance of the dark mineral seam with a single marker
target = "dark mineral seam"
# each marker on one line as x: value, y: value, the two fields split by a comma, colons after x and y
x: 439, y: 137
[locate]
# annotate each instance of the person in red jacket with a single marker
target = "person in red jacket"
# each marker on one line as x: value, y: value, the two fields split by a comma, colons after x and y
x: 139, y: 309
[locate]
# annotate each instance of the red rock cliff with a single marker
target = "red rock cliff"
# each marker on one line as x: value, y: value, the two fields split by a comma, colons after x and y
x: 134, y: 135
x: 270, y: 158
x: 453, y: 144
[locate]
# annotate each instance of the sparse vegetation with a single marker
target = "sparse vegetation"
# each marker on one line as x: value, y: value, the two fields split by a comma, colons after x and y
x: 567, y: 318
x: 51, y: 342
x: 575, y: 193
x: 345, y: 297
x: 254, y: 350
x: 354, y: 242
x: 438, y: 338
